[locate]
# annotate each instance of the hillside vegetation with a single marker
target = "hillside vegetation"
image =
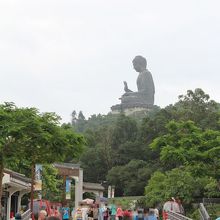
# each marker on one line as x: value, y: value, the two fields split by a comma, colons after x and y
x: 172, y: 152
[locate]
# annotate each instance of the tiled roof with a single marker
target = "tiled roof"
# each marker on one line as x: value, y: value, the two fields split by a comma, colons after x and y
x: 93, y: 186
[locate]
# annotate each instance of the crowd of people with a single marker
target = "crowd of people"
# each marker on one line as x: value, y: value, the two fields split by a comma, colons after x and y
x: 174, y: 205
x: 113, y: 212
x: 103, y: 211
x: 98, y: 212
x: 109, y: 212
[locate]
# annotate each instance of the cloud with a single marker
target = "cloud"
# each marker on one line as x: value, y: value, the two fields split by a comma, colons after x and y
x: 64, y: 55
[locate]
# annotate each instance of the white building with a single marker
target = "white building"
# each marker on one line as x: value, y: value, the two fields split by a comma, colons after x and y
x: 14, y: 187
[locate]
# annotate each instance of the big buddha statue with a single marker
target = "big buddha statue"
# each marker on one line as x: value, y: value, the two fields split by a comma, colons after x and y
x: 145, y: 85
x: 144, y: 97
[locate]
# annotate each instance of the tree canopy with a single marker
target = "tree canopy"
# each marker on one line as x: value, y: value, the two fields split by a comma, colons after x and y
x: 172, y: 151
x: 179, y: 140
x: 28, y: 137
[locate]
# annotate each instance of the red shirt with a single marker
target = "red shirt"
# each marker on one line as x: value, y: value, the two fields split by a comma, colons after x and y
x: 119, y: 212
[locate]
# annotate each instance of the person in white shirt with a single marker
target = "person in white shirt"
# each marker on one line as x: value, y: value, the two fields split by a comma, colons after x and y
x: 156, y: 212
x: 84, y: 210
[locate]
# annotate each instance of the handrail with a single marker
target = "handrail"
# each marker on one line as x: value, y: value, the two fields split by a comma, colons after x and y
x: 203, y: 212
x: 176, y: 216
x: 26, y: 215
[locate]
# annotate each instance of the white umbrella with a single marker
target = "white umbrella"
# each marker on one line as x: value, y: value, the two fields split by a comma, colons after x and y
x: 88, y: 201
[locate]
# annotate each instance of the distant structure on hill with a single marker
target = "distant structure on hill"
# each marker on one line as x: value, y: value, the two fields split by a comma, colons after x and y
x: 142, y: 101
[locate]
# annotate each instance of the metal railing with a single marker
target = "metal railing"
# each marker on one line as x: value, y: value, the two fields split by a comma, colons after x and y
x: 26, y: 215
x: 203, y: 212
x: 176, y: 216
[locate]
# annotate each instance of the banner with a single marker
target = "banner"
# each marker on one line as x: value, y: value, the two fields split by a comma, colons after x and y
x: 68, y: 188
x: 109, y: 191
x: 113, y: 192
x: 38, y: 177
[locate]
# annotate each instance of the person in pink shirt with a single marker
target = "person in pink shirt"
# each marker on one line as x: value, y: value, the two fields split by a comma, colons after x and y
x: 119, y: 213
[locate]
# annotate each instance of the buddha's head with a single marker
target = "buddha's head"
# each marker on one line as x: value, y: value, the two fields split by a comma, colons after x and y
x: 139, y: 63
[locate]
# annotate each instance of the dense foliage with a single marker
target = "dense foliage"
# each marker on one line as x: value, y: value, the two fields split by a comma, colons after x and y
x: 28, y: 137
x: 174, y: 151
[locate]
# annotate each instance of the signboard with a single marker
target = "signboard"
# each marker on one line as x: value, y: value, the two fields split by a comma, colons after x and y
x: 63, y: 171
x: 109, y: 191
x: 68, y: 188
x: 38, y: 177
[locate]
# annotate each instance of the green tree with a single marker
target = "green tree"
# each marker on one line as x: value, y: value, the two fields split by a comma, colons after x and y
x: 125, y: 129
x: 95, y: 122
x: 174, y: 183
x: 98, y: 158
x: 80, y: 122
x: 181, y: 183
x: 107, y: 147
x: 190, y: 159
x: 52, y: 188
x: 130, y: 150
x: 130, y: 179
x: 94, y: 163
x: 73, y: 118
x: 46, y: 141
x: 183, y: 134
x: 197, y: 106
x: 9, y: 137
x: 186, y: 144
x: 33, y: 137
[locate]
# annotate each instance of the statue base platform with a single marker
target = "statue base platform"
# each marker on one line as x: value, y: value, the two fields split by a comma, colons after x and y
x: 133, y: 109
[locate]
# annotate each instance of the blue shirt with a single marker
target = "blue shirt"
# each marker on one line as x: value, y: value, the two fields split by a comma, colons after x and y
x: 152, y: 217
x: 66, y: 213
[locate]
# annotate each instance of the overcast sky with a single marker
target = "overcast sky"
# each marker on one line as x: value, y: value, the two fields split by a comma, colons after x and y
x: 65, y: 55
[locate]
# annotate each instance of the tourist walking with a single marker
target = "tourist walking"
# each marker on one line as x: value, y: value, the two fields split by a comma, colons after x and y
x: 151, y: 215
x: 113, y: 211
x: 90, y: 213
x: 42, y: 215
x: 65, y: 212
x: 106, y: 214
x: 96, y: 212
x: 119, y: 213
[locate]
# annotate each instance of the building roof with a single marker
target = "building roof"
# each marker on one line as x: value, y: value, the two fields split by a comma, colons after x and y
x: 17, y: 176
x: 16, y: 180
x: 93, y: 186
x: 67, y: 165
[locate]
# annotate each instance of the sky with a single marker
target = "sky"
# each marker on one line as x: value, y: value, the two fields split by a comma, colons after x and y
x: 65, y: 55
